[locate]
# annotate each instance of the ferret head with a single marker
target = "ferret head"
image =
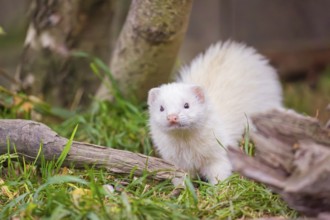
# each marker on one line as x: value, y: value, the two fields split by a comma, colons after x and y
x: 177, y: 106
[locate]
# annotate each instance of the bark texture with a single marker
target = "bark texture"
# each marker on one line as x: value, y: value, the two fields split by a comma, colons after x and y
x: 148, y: 45
x: 292, y: 157
x: 58, y: 28
x: 27, y: 136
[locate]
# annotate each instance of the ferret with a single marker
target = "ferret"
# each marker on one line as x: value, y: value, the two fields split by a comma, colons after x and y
x: 193, y: 120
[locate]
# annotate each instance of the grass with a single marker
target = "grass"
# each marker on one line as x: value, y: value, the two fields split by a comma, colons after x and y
x: 47, y: 191
x: 72, y: 194
x: 307, y: 100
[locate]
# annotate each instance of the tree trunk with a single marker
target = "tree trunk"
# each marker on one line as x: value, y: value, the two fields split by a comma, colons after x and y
x: 148, y: 45
x: 27, y: 137
x: 292, y: 157
x: 58, y: 28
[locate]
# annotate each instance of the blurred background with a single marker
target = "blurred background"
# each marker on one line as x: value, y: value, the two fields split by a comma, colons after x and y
x: 294, y: 35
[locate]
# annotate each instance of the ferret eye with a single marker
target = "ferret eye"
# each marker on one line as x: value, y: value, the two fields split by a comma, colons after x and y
x: 161, y: 108
x: 186, y: 105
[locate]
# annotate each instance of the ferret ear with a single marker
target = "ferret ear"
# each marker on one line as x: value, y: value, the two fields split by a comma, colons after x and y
x: 152, y: 95
x: 199, y: 93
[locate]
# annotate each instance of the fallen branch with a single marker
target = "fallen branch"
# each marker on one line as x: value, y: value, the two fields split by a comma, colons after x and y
x: 292, y: 157
x: 27, y: 137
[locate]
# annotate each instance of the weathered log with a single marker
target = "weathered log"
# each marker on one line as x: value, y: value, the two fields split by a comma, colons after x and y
x: 292, y: 157
x: 27, y: 137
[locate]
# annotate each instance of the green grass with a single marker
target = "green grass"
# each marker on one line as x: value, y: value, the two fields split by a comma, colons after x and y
x: 307, y: 100
x: 47, y: 192
x: 84, y: 195
x: 113, y: 125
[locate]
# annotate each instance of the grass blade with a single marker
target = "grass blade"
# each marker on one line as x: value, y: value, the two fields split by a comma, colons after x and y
x: 65, y: 151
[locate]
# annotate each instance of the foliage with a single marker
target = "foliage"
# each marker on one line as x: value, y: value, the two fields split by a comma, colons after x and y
x: 117, y: 124
x: 2, y: 32
x: 310, y: 100
x: 50, y: 192
x: 33, y: 192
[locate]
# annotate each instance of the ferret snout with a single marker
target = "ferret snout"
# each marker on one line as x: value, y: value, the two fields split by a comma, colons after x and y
x: 173, y: 118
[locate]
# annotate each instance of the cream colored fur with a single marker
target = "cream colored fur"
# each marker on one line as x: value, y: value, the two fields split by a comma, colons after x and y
x: 235, y: 82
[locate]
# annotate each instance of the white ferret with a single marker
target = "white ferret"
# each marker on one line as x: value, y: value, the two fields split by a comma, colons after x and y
x: 208, y: 104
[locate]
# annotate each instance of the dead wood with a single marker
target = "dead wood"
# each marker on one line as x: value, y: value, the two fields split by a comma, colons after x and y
x: 27, y: 137
x: 292, y: 157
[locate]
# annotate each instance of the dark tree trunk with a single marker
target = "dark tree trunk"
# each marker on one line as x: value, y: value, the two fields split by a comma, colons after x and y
x: 58, y: 28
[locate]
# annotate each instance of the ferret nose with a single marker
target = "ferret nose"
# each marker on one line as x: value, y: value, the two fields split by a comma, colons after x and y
x: 172, y: 118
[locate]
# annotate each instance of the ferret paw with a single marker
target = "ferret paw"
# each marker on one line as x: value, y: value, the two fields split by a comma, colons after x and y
x: 178, y: 182
x: 216, y: 172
